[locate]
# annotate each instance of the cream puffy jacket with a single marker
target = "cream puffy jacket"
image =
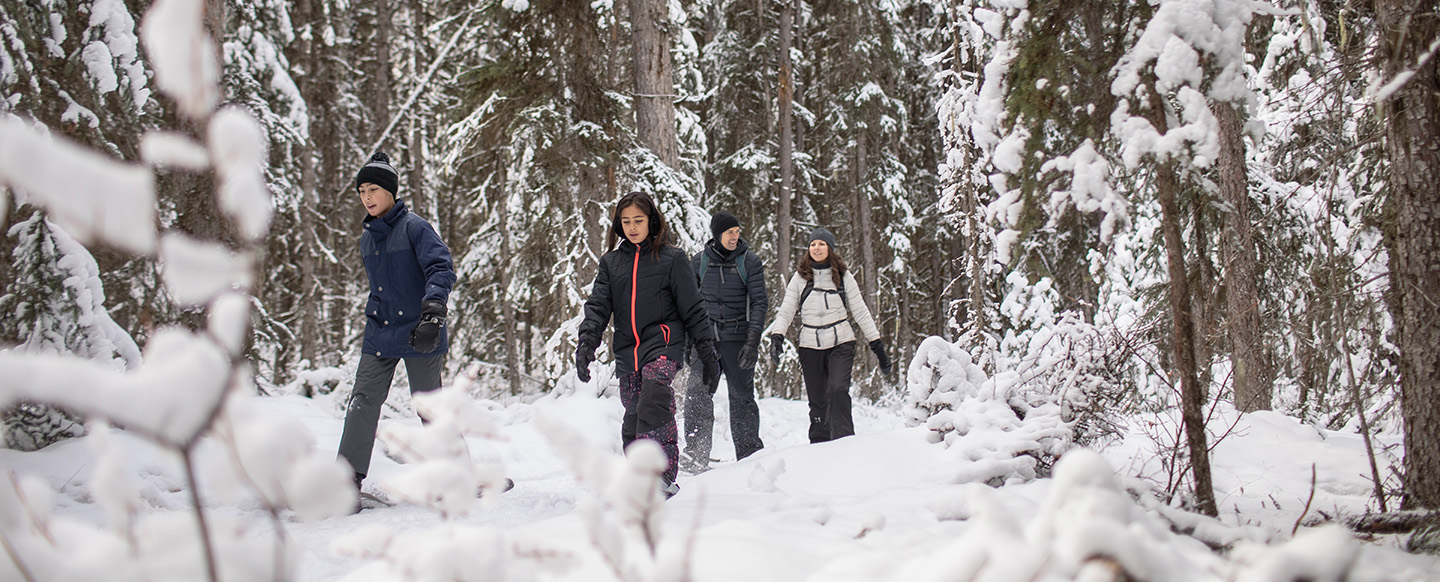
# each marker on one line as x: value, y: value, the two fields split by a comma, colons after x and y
x: 824, y: 322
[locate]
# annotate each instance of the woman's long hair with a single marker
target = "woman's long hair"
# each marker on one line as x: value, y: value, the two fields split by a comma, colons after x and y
x: 659, y: 231
x: 805, y: 265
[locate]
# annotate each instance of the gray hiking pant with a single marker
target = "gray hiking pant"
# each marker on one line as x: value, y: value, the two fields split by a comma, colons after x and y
x: 372, y: 387
x: 700, y: 407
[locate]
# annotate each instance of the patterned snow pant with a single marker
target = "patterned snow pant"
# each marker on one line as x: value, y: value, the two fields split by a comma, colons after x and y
x: 649, y: 402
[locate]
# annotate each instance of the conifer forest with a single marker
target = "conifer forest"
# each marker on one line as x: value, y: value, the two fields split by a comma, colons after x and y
x: 1122, y: 205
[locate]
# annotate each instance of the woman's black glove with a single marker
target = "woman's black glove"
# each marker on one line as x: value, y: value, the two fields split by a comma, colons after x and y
x: 426, y: 335
x: 709, y: 363
x: 879, y: 350
x: 751, y: 350
x: 777, y: 345
x: 584, y: 354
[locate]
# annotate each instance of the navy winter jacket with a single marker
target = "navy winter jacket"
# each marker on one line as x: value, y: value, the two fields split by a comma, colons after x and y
x: 652, y: 317
x: 727, y: 298
x: 406, y: 263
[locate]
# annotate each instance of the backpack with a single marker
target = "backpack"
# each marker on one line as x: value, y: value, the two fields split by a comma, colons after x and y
x: 839, y: 290
x: 739, y: 267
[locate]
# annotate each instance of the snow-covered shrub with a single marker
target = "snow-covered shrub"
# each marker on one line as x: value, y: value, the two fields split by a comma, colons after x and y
x: 1055, y: 377
x: 311, y: 381
x: 625, y: 520
x: 57, y: 306
x: 939, y: 377
x: 187, y: 389
x: 443, y: 477
x: 1092, y: 525
x: 993, y: 442
x: 31, y: 426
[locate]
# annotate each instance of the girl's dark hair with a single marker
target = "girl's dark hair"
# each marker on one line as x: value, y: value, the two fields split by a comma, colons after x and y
x: 804, y: 266
x: 659, y: 231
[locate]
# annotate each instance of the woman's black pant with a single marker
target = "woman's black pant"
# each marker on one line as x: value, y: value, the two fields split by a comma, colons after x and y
x: 827, y: 382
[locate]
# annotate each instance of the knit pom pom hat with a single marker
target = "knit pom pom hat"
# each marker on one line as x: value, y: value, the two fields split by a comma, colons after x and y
x: 380, y: 173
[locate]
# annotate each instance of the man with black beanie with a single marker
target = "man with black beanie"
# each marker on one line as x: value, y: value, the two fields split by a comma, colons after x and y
x: 410, y: 276
x: 732, y: 284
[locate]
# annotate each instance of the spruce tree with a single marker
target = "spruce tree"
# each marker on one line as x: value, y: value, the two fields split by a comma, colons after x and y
x: 56, y: 304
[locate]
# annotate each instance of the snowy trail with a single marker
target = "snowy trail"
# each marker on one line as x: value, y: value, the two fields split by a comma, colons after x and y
x: 789, y: 486
x: 876, y: 506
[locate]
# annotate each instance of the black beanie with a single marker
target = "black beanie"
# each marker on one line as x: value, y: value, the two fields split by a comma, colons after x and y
x: 380, y: 173
x: 721, y: 222
x: 823, y: 234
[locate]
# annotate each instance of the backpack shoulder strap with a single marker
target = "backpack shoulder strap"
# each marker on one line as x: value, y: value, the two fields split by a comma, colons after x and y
x: 839, y: 288
x: 704, y: 264
x: 809, y: 286
x: 740, y: 267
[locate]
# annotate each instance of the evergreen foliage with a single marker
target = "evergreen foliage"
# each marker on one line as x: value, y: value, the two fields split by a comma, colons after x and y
x: 991, y: 167
x: 57, y: 306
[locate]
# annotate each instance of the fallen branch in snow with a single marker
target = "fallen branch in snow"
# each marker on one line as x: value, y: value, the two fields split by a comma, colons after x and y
x: 1393, y: 522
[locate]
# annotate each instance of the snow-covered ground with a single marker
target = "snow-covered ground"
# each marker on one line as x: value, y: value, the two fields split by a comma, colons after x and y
x: 876, y: 506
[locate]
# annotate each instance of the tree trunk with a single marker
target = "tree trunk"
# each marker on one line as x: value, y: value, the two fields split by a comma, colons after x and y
x: 786, y: 102
x: 1204, y: 295
x: 654, y: 84
x: 865, y: 219
x: 864, y: 238
x: 509, y: 311
x: 1254, y: 389
x: 865, y: 222
x: 374, y: 33
x: 1412, y: 135
x: 309, y: 205
x: 787, y: 142
x: 1192, y: 394
x: 422, y: 199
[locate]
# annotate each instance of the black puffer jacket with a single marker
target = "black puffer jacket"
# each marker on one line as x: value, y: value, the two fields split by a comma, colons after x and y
x: 727, y: 298
x: 652, y: 317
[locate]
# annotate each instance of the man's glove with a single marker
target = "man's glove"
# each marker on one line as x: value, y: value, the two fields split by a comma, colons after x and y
x: 584, y: 354
x: 751, y: 350
x: 426, y: 335
x: 777, y: 345
x: 879, y: 350
x: 709, y: 363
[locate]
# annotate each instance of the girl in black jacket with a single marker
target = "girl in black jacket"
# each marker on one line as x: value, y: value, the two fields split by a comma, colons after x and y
x: 647, y: 286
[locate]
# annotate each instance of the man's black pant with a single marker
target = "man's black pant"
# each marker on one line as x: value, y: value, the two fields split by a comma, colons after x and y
x: 827, y: 382
x: 700, y: 407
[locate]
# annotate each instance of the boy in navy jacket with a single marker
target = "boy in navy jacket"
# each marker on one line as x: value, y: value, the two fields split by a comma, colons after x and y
x: 410, y: 276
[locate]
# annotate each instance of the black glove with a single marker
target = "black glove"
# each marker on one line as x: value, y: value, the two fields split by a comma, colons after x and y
x: 426, y: 335
x: 777, y: 345
x: 709, y: 363
x: 584, y: 354
x: 751, y: 350
x: 879, y: 350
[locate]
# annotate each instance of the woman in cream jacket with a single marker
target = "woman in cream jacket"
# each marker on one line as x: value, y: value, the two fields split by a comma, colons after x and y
x: 828, y: 314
